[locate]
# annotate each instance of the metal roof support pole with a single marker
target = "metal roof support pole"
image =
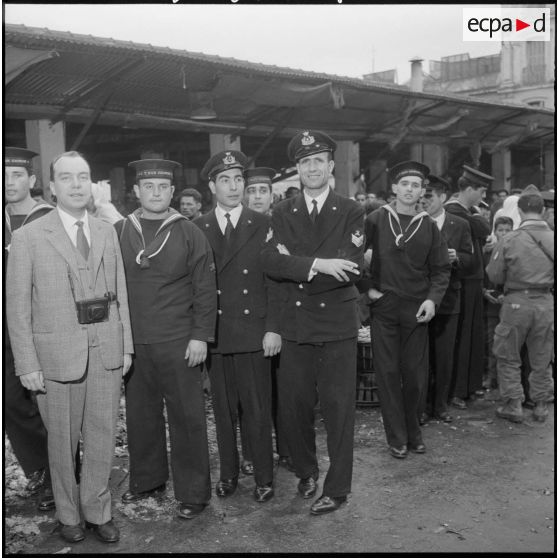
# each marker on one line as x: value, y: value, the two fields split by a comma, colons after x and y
x: 502, y: 170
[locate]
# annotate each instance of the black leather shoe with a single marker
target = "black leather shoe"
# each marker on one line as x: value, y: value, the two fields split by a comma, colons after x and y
x: 226, y: 487
x: 71, y: 533
x: 286, y: 461
x: 327, y: 504
x: 129, y: 497
x: 106, y: 532
x: 444, y: 416
x: 399, y: 453
x: 189, y: 511
x: 458, y: 403
x: 247, y: 467
x: 46, y: 502
x: 263, y: 493
x: 417, y: 448
x: 307, y: 487
x: 36, y: 481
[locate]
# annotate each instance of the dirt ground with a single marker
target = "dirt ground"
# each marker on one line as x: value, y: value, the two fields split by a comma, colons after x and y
x: 484, y: 485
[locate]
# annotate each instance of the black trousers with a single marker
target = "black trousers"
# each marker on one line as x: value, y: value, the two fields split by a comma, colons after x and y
x: 400, y: 359
x: 442, y: 335
x: 22, y: 422
x: 281, y: 446
x: 328, y: 371
x: 242, y: 381
x: 469, y: 362
x: 161, y: 375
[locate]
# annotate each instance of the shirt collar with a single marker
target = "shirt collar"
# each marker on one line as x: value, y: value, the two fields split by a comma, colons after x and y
x: 234, y: 215
x: 69, y: 220
x: 440, y: 219
x: 319, y: 199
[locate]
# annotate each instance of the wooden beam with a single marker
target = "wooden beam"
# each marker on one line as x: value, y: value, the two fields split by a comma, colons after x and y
x: 286, y: 119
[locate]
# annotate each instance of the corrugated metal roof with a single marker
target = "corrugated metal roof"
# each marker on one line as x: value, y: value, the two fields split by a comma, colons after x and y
x: 125, y: 78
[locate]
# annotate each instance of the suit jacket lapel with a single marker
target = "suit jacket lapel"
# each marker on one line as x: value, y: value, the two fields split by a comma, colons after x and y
x: 214, y: 235
x: 300, y: 218
x: 326, y: 221
x: 245, y: 228
x: 97, y: 244
x: 56, y: 234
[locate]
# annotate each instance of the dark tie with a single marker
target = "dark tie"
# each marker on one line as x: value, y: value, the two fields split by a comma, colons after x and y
x: 314, y: 212
x: 229, y: 228
x: 81, y: 241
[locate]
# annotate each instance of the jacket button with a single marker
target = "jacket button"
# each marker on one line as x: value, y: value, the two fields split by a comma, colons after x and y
x: 245, y: 271
x: 322, y: 304
x: 301, y: 286
x: 298, y: 303
x: 247, y: 311
x: 219, y: 311
x: 245, y: 291
x: 218, y: 291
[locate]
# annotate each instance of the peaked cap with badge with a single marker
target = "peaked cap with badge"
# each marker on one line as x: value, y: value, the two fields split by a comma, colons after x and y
x: 154, y: 168
x: 309, y: 142
x: 477, y: 177
x: 222, y: 161
x: 407, y: 168
x: 259, y: 175
x: 19, y: 157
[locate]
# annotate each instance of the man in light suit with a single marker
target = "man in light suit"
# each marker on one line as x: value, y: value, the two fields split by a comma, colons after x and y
x: 75, y: 363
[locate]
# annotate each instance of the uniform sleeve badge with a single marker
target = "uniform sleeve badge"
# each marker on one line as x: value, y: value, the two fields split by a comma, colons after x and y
x: 357, y: 238
x: 269, y: 235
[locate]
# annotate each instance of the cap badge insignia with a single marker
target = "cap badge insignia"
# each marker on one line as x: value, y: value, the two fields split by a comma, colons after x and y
x: 229, y: 159
x: 307, y: 139
x: 357, y: 238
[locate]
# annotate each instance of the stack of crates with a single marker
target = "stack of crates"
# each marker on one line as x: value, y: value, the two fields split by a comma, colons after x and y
x: 367, y: 389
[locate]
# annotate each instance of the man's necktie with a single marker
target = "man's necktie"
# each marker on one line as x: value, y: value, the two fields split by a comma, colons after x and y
x: 314, y: 212
x: 229, y: 228
x: 81, y: 241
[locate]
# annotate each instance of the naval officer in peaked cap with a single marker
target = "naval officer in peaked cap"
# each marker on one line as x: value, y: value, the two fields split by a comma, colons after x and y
x: 315, y: 248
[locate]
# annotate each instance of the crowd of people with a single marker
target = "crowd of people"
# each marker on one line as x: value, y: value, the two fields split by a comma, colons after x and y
x: 262, y: 296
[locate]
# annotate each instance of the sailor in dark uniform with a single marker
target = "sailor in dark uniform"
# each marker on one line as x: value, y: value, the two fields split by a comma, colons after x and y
x: 22, y: 421
x: 316, y: 248
x: 171, y: 291
x: 469, y: 362
x: 247, y: 326
x: 409, y: 275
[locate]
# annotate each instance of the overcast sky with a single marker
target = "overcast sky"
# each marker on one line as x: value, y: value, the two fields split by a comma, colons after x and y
x: 336, y: 39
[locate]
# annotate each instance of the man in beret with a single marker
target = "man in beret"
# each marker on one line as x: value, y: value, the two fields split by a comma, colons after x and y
x: 69, y: 324
x: 190, y: 203
x: 171, y: 285
x: 523, y: 261
x: 247, y: 328
x: 409, y: 276
x: 443, y: 327
x: 22, y: 421
x: 258, y: 190
x: 469, y: 362
x: 315, y: 248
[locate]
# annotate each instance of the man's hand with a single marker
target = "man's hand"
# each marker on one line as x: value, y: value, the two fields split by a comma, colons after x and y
x: 127, y: 363
x: 196, y: 352
x: 489, y: 245
x: 271, y: 344
x: 426, y: 311
x: 336, y: 268
x: 33, y: 381
x: 452, y: 255
x: 374, y: 294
